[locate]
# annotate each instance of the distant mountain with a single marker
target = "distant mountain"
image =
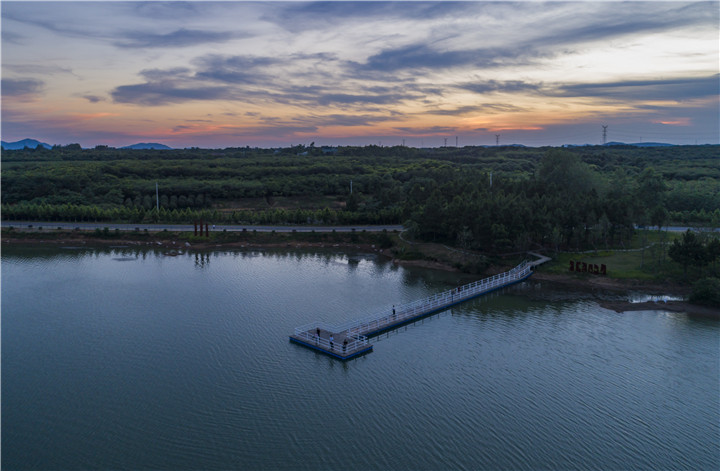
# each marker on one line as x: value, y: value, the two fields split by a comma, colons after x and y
x: 147, y: 145
x: 19, y: 145
x: 640, y: 144
x: 652, y: 144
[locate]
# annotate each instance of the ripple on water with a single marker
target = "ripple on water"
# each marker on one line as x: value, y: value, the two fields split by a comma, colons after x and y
x: 184, y: 362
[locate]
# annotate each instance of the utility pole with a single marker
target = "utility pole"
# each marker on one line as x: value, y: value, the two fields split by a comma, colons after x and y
x: 456, y: 141
x: 497, y: 139
x: 604, y: 134
x: 157, y: 197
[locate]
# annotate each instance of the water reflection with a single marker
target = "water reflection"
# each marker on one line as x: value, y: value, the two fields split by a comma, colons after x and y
x: 184, y: 361
x: 202, y: 259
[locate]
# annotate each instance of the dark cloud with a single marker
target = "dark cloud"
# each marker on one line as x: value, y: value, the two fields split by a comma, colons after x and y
x: 346, y: 98
x: 325, y: 95
x: 606, y: 24
x: 276, y: 130
x: 421, y: 56
x: 485, y: 108
x: 490, y: 86
x: 37, y: 69
x: 433, y: 130
x: 93, y: 98
x: 26, y: 88
x: 301, y: 16
x: 11, y: 37
x: 663, y: 89
x: 234, y: 69
x: 308, y: 11
x: 418, y: 56
x: 180, y: 38
x: 554, y: 39
x: 347, y: 120
x: 167, y: 92
x: 167, y: 10
x: 166, y: 74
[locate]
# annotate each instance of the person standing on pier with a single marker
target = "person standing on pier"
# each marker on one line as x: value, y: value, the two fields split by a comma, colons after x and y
x: 344, y: 345
x: 331, y: 341
x: 393, y: 311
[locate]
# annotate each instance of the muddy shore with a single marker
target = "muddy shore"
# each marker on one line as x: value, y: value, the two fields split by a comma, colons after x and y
x: 672, y: 306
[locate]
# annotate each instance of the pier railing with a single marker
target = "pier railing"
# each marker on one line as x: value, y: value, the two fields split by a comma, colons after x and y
x: 308, y: 334
x: 433, y: 303
x: 317, y: 335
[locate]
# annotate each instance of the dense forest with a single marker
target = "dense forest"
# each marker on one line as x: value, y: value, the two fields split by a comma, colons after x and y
x: 498, y: 199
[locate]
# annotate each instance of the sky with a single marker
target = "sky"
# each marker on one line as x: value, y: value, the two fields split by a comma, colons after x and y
x: 421, y: 74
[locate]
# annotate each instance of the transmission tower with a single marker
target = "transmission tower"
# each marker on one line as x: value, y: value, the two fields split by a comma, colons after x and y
x: 604, y: 134
x: 497, y: 139
x: 456, y: 141
x: 445, y: 142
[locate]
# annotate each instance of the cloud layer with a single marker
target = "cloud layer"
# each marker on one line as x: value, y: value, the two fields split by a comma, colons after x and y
x: 274, y: 73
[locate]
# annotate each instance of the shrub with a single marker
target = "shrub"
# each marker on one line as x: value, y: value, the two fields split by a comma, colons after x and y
x: 707, y: 292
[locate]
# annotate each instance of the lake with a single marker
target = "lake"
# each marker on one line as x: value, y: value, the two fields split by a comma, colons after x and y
x: 130, y: 358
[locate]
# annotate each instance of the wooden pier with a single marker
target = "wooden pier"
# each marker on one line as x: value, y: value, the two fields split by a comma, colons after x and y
x: 350, y: 340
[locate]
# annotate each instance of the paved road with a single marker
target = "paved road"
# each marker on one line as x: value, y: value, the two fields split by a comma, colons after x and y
x: 91, y: 226
x: 681, y: 228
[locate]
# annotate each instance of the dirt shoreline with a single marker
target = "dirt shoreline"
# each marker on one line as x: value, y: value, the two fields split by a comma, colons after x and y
x: 614, y: 284
x: 604, y: 283
x: 181, y: 244
x: 672, y: 306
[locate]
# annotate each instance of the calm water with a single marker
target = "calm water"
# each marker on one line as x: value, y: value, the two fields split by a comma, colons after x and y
x: 130, y: 359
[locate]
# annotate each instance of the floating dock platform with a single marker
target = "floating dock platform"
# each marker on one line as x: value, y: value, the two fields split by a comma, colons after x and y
x: 351, y: 340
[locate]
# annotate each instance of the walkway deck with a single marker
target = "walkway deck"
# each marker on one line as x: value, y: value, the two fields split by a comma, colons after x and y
x: 330, y: 339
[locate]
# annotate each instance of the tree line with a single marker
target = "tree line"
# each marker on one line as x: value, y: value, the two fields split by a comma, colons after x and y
x: 498, y: 199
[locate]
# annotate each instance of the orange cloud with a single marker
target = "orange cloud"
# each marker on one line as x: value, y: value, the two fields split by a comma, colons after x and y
x: 515, y: 128
x: 86, y: 116
x: 674, y: 122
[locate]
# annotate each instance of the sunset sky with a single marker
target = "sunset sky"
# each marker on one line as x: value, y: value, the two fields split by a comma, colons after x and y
x: 231, y: 74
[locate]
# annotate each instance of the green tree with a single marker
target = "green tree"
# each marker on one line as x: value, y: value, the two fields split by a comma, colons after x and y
x: 689, y: 251
x: 431, y: 219
x: 567, y: 173
x: 706, y: 291
x: 352, y: 202
x: 713, y: 252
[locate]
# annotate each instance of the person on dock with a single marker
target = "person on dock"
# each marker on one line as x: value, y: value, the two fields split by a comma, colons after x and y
x: 331, y: 342
x: 317, y: 335
x: 344, y: 345
x: 393, y: 311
